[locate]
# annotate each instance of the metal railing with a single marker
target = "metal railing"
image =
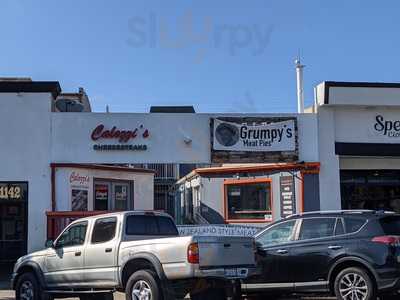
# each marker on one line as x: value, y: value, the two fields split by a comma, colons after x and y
x: 162, y: 171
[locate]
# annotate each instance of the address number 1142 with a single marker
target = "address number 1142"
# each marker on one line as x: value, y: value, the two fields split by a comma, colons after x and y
x: 10, y: 192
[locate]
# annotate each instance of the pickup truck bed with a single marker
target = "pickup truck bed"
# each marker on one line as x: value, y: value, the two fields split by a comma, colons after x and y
x: 216, y: 255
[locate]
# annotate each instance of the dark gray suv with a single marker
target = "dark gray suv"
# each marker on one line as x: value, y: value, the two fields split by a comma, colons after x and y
x: 354, y: 255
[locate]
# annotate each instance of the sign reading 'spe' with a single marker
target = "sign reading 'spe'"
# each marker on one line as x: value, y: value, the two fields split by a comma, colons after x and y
x: 274, y: 136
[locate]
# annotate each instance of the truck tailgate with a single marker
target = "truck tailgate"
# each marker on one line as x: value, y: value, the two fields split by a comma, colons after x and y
x: 225, y: 251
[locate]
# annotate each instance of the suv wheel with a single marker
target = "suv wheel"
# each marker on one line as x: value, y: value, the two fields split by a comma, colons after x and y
x: 142, y: 285
x: 354, y: 284
x: 27, y: 288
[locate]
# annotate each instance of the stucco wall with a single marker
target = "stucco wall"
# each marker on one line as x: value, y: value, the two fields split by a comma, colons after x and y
x: 71, y: 137
x: 329, y: 172
x: 25, y: 152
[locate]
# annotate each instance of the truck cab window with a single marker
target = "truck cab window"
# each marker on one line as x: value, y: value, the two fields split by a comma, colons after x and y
x: 167, y: 226
x: 73, y: 236
x: 104, y: 230
x: 150, y: 225
x: 141, y: 225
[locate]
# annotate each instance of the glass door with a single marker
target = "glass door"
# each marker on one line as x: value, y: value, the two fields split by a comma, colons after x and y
x: 121, y: 196
x: 13, y: 221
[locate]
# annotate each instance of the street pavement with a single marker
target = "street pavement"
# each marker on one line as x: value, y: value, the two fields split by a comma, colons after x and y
x: 9, y: 295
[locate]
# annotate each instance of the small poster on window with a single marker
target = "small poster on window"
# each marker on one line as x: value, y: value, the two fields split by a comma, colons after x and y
x: 288, y: 197
x: 121, y: 193
x: 101, y: 192
x: 79, y: 200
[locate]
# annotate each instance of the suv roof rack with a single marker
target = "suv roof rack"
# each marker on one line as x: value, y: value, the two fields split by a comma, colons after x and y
x: 343, y: 211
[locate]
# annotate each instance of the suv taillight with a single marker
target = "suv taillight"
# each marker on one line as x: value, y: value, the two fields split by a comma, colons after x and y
x: 193, y: 253
x: 389, y: 240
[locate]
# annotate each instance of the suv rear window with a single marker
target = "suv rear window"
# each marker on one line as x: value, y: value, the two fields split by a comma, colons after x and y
x: 150, y: 225
x: 315, y: 228
x: 352, y: 224
x: 391, y: 225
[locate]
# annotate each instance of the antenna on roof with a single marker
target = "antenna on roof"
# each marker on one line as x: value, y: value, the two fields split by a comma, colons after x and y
x: 300, y: 90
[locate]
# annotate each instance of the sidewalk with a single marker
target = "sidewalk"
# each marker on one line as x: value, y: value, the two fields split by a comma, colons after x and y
x: 5, y: 275
x: 7, y: 295
x: 10, y: 295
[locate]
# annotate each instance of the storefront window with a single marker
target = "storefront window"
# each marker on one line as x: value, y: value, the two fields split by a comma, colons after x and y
x: 248, y: 200
x: 371, y: 189
x: 101, y: 192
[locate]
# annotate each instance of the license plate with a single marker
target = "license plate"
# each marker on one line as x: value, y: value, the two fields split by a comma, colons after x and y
x: 236, y: 272
x: 230, y: 272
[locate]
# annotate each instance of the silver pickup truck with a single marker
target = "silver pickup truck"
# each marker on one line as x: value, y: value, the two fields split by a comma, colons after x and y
x: 139, y: 253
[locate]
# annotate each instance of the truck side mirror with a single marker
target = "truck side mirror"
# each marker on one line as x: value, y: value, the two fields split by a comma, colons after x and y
x: 49, y: 244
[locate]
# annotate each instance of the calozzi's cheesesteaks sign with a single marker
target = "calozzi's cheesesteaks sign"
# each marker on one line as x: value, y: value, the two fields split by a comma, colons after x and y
x: 117, y: 139
x: 254, y: 139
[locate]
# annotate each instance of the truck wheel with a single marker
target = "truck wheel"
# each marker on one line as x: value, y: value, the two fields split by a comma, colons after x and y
x: 28, y: 288
x: 142, y: 285
x: 354, y: 283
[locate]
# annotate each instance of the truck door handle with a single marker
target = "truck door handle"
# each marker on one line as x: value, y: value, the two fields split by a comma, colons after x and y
x: 282, y: 251
x: 108, y: 250
x: 78, y: 253
x: 335, y: 247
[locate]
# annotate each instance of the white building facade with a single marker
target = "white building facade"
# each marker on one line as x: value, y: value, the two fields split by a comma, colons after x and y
x: 65, y: 163
x: 359, y: 145
x: 69, y: 164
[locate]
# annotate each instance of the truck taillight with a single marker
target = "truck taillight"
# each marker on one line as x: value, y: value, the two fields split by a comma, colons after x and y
x: 389, y: 240
x: 193, y: 253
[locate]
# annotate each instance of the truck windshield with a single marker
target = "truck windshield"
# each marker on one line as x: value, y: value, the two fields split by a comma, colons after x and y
x: 391, y: 225
x: 150, y: 225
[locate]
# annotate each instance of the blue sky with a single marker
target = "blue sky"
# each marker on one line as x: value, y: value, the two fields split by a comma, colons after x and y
x: 220, y: 56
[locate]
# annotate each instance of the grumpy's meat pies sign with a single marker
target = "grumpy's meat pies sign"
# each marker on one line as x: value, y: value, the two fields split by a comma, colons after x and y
x: 265, y: 136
